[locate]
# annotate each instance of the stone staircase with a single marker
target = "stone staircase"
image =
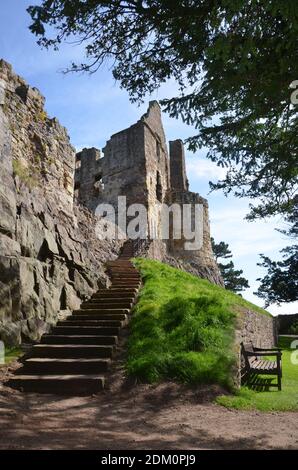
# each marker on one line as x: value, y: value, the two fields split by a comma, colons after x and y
x: 74, y: 357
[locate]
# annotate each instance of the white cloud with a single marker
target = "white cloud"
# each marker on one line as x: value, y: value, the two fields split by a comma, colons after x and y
x: 246, y: 238
x: 198, y: 168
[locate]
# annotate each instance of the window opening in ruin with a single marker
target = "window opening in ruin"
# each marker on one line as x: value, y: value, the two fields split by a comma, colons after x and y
x: 78, y: 164
x: 98, y: 184
x: 158, y: 187
x: 76, y: 189
x: 158, y: 150
x: 63, y: 299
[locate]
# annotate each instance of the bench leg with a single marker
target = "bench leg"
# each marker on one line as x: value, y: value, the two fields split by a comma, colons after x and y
x: 279, y: 382
x: 279, y: 373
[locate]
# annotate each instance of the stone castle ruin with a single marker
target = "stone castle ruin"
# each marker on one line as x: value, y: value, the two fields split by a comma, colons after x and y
x: 50, y: 256
x: 136, y: 164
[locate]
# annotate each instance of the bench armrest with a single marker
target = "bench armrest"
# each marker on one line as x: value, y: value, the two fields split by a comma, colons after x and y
x: 267, y: 349
x: 264, y: 353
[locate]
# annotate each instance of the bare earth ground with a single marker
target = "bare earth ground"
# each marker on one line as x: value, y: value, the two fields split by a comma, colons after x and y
x: 167, y: 416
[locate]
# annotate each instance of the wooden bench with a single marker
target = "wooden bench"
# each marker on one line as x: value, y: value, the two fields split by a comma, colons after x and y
x: 255, y: 363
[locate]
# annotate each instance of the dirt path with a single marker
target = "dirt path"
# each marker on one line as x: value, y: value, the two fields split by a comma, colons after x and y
x: 167, y: 416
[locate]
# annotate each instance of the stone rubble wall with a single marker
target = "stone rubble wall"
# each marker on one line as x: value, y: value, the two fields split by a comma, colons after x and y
x: 50, y: 256
x: 256, y: 327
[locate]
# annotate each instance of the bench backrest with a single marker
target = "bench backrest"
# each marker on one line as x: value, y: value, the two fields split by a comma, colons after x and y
x: 247, y: 347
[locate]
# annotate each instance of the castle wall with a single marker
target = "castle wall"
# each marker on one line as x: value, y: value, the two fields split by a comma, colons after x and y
x: 88, y: 176
x: 123, y: 166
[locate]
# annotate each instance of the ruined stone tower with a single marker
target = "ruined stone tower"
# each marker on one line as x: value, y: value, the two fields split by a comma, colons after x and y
x: 136, y: 164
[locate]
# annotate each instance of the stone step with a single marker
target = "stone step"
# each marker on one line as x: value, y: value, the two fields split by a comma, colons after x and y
x: 119, y: 262
x: 86, y: 315
x: 124, y: 289
x: 122, y: 267
x: 100, y: 309
x: 78, y: 339
x: 123, y: 270
x: 124, y: 293
x: 125, y: 276
x: 125, y: 304
x: 50, y: 366
x: 71, y: 350
x: 96, y: 314
x: 86, y: 330
x: 115, y: 298
x: 59, y: 384
x: 112, y: 315
x: 120, y: 284
x: 112, y: 298
x: 97, y: 306
x: 85, y: 322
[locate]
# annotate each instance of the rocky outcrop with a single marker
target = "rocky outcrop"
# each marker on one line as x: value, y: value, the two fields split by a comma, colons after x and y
x: 50, y: 257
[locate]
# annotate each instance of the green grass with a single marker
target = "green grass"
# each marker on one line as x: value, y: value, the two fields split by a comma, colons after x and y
x: 182, y: 328
x: 11, y: 354
x: 27, y: 175
x: 272, y: 400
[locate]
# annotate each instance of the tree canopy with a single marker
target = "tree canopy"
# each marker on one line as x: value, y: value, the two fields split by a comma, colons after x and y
x: 234, y: 61
x: 232, y: 277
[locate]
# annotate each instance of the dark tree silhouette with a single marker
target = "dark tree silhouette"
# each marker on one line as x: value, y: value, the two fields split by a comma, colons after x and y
x: 231, y: 276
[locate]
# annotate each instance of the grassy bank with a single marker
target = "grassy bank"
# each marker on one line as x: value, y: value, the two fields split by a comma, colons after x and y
x: 182, y: 328
x: 272, y: 400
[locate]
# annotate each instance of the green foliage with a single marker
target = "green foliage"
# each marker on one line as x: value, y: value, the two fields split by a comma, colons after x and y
x: 281, y: 281
x: 294, y: 328
x: 231, y: 276
x: 42, y: 116
x: 12, y: 354
x: 233, y: 62
x: 280, y: 284
x: 182, y: 328
x: 221, y: 250
x: 26, y: 176
x: 273, y: 400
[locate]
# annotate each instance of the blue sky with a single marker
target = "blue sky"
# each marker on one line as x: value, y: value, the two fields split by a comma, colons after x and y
x: 94, y: 107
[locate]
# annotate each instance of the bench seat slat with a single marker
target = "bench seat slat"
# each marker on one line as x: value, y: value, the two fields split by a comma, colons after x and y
x: 263, y: 365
